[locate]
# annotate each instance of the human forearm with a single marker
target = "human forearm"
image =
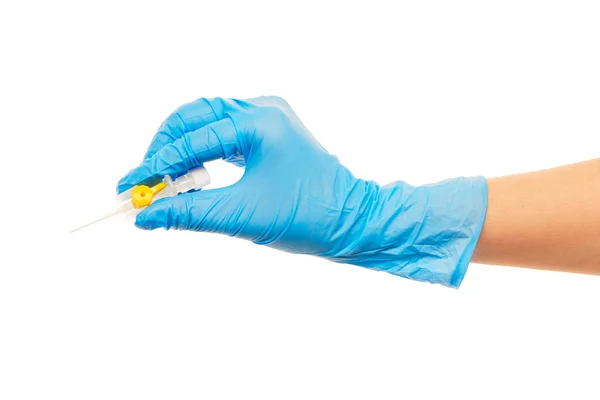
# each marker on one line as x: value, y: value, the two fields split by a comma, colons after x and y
x: 547, y: 219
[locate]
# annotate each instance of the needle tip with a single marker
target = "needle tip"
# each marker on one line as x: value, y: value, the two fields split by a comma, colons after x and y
x: 93, y: 222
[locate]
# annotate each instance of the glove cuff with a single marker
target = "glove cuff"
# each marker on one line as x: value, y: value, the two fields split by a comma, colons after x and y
x: 426, y: 233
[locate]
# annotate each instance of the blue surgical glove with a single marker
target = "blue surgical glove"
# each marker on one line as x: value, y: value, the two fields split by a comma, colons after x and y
x: 297, y: 197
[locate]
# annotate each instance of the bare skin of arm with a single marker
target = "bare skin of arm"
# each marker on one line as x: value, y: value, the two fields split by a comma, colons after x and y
x: 545, y: 220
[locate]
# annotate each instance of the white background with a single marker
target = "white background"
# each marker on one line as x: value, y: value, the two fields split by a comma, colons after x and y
x: 414, y: 91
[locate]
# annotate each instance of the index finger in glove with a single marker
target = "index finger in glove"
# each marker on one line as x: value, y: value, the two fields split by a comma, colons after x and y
x: 186, y: 118
x: 211, y: 142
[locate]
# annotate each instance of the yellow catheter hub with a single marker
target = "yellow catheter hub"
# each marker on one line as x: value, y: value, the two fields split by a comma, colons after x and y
x: 142, y: 195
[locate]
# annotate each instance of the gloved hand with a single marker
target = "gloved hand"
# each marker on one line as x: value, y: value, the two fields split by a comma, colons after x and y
x: 297, y: 197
